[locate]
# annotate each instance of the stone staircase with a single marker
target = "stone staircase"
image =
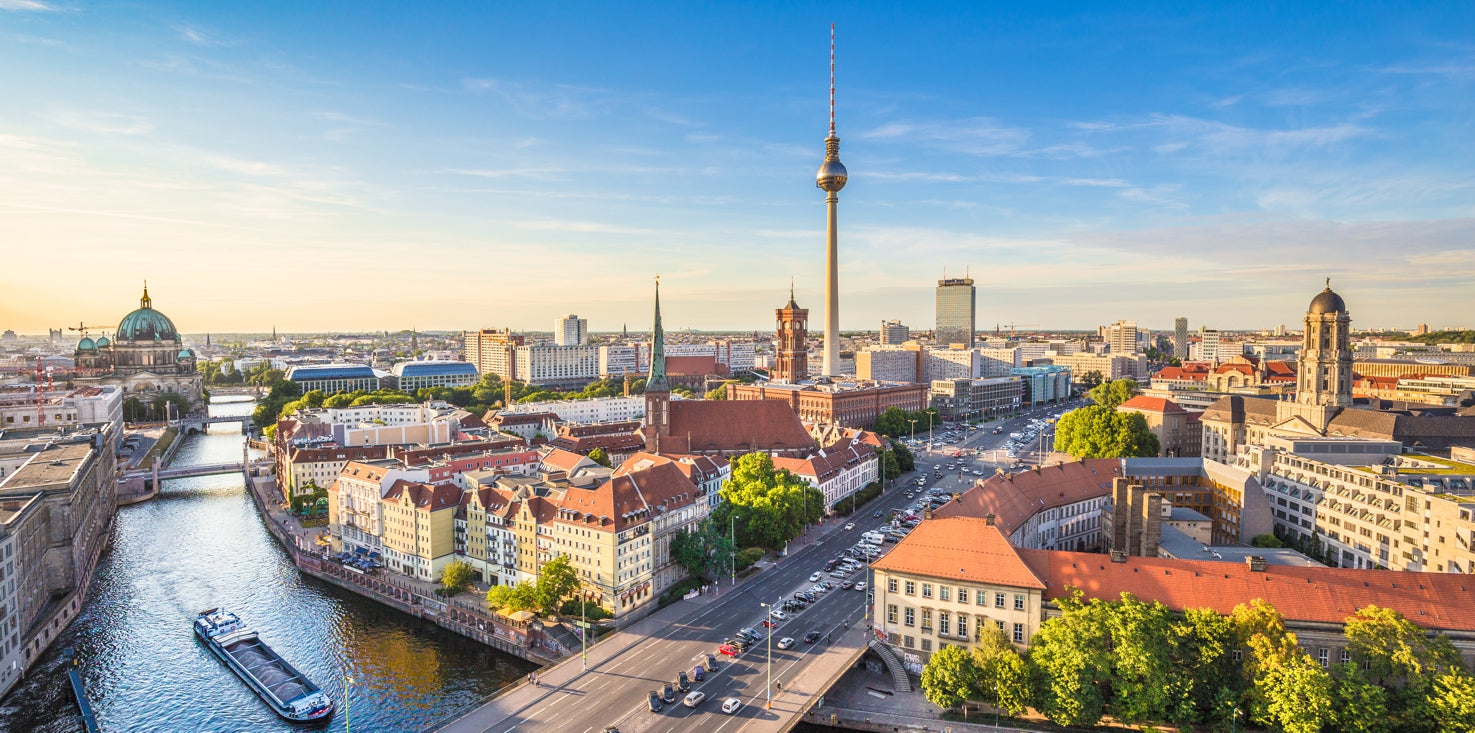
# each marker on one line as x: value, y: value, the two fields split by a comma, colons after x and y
x: 898, y: 671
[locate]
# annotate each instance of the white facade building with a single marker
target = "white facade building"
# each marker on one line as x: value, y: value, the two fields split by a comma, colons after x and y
x: 586, y: 412
x: 571, y: 330
x: 556, y: 364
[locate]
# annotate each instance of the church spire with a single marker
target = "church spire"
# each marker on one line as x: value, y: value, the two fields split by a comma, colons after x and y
x: 655, y: 380
x: 145, y: 301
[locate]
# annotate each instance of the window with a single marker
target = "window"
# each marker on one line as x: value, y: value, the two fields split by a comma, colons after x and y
x: 962, y: 627
x: 891, y: 584
x: 999, y: 624
x: 927, y: 619
x: 926, y: 645
x: 1018, y: 602
x: 909, y: 642
x: 926, y: 590
x: 1346, y: 656
x: 1018, y: 633
x: 911, y: 618
x: 943, y: 627
x: 1324, y: 656
x: 942, y: 592
x: 1238, y: 655
x: 982, y: 598
x: 998, y: 600
x: 891, y: 613
x: 962, y: 595
x: 911, y: 588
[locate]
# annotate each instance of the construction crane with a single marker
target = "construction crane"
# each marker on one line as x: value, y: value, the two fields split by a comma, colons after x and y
x: 83, y: 328
x: 43, y: 385
x: 1012, y: 324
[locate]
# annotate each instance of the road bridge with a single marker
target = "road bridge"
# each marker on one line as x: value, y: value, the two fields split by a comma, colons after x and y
x: 197, y: 470
x: 198, y: 424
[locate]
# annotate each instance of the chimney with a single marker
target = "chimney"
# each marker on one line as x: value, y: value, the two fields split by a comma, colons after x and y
x: 1118, y: 556
x: 927, y: 513
x: 989, y: 519
x: 1256, y: 563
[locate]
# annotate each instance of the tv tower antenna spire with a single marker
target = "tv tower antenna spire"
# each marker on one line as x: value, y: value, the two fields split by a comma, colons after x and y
x: 832, y: 79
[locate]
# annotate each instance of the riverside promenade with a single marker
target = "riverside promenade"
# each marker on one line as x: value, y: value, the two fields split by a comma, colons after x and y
x: 465, y: 614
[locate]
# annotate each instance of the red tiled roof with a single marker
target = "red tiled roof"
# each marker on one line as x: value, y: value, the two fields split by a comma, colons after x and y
x: 960, y: 548
x: 424, y: 496
x: 737, y: 426
x: 691, y: 366
x: 1317, y: 595
x: 629, y: 498
x: 1153, y: 404
x: 1014, y: 499
x: 1181, y: 373
x: 562, y: 460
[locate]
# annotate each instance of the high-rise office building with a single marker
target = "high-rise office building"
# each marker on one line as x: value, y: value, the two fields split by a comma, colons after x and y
x: 1209, y: 342
x: 571, y: 330
x: 956, y: 311
x: 894, y: 333
x: 1121, y: 337
x: 1180, y: 338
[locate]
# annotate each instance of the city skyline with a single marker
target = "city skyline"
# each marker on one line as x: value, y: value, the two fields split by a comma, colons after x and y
x: 1084, y: 167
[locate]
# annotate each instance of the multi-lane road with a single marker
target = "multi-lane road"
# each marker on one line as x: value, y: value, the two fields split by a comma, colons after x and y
x: 625, y: 668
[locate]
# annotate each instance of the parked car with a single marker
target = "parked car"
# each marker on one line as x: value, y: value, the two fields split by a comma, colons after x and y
x: 668, y: 693
x: 655, y: 701
x: 731, y: 705
x: 814, y: 577
x: 694, y: 699
x: 785, y: 642
x: 768, y: 624
x: 728, y: 650
x: 750, y: 633
x: 698, y: 673
x: 683, y: 682
x: 780, y: 615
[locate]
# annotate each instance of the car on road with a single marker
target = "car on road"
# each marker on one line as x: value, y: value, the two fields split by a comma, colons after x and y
x: 682, y: 682
x: 668, y: 693
x: 849, y: 526
x: 749, y: 633
x: 814, y: 577
x: 847, y: 585
x: 877, y: 514
x: 694, y: 699
x: 655, y: 701
x: 731, y: 705
x: 811, y: 637
x: 861, y: 586
x: 780, y: 615
x: 828, y: 585
x: 786, y: 642
x: 837, y: 574
x: 768, y: 624
x: 727, y: 650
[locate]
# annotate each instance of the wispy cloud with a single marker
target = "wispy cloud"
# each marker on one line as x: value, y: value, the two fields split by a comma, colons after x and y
x: 582, y: 227
x: 194, y: 35
x: 541, y: 173
x: 545, y: 101
x: 25, y: 5
x: 108, y: 122
x: 347, y: 119
x: 980, y: 136
x: 244, y: 167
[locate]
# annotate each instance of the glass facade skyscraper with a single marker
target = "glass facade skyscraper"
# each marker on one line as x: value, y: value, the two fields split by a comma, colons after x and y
x: 956, y: 311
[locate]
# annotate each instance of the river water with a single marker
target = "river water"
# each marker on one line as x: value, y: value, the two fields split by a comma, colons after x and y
x: 201, y: 544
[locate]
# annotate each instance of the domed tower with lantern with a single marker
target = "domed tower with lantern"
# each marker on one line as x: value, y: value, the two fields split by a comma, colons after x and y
x: 145, y: 356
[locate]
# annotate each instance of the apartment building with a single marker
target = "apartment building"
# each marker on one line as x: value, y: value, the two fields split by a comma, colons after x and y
x: 491, y: 351
x: 1364, y: 504
x: 355, y: 512
x: 1109, y: 366
x: 967, y: 399
x: 1050, y: 507
x: 1043, y: 385
x: 837, y: 470
x: 419, y: 527
x: 887, y: 364
x: 894, y: 333
x: 584, y: 412
x: 556, y: 365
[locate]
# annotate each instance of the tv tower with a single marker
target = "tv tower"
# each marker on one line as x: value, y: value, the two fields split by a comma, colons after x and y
x: 831, y: 178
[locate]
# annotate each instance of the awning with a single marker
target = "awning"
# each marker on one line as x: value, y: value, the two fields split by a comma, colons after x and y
x: 374, y: 555
x: 360, y: 551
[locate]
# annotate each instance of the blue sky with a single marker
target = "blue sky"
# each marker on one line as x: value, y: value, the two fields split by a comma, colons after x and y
x: 360, y: 165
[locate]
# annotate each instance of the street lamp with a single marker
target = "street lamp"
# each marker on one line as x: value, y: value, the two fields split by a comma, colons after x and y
x: 769, y: 692
x: 913, y: 421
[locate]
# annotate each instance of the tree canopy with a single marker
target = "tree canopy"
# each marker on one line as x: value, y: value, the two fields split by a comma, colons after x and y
x: 1098, y: 431
x: 897, y: 423
x: 771, y: 505
x: 1113, y: 393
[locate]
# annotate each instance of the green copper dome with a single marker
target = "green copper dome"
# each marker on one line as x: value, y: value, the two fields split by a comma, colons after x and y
x: 102, y: 341
x: 146, y: 324
x: 86, y: 344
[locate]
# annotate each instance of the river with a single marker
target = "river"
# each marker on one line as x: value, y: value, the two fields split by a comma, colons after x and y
x: 201, y: 544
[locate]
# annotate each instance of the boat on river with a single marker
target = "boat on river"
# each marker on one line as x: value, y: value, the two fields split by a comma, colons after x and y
x: 290, y: 694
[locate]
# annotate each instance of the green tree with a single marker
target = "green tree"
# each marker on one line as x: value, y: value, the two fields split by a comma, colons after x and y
x: 949, y: 677
x: 510, y: 599
x: 1288, y: 689
x: 1097, y: 431
x: 457, y: 576
x: 1142, y: 660
x: 1266, y: 540
x: 170, y: 405
x: 1113, y: 393
x: 720, y: 393
x: 556, y: 580
x: 690, y: 552
x: 1091, y: 379
x: 1070, y: 656
x: 1001, y: 678
x: 135, y: 410
x: 772, y: 505
x: 1452, y: 701
x: 1208, y: 686
x: 1401, y: 658
x: 905, y: 459
x: 1358, y: 705
x: 598, y: 455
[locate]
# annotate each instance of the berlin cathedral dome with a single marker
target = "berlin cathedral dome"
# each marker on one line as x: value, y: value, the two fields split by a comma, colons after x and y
x: 145, y: 355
